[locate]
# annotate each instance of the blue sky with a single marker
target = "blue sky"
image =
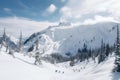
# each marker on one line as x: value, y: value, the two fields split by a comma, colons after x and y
x: 32, y: 9
x: 35, y: 15
x: 57, y: 10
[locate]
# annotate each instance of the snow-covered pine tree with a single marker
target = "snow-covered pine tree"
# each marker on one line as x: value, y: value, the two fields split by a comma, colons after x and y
x: 37, y: 44
x: 117, y: 51
x: 20, y: 44
x: 107, y: 51
x: 4, y: 35
x: 101, y: 56
x: 37, y: 53
x: 3, y: 43
x: 85, y: 51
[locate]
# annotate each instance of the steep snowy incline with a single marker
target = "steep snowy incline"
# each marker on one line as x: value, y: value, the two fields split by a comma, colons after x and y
x: 65, y: 39
x: 22, y: 68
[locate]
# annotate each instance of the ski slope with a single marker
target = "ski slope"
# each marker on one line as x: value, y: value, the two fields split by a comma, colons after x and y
x: 21, y: 68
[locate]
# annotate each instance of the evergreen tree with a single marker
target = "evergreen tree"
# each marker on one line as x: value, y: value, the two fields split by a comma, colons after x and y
x: 117, y: 51
x: 84, y: 48
x: 72, y: 63
x: 37, y: 44
x: 101, y: 56
x: 107, y: 52
x: 37, y: 54
x: 93, y: 55
x: 90, y: 53
x: 3, y: 43
x: 84, y: 52
x: 4, y: 35
x: 20, y: 45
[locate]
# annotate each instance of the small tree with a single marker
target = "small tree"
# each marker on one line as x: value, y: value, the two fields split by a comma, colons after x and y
x: 20, y: 44
x: 37, y: 44
x: 37, y: 58
x: 107, y: 52
x: 4, y: 35
x: 37, y: 54
x: 85, y: 52
x: 72, y: 63
x: 4, y: 42
x: 117, y: 51
x: 101, y: 56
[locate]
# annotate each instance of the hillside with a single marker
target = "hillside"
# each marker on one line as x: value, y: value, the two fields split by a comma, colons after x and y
x: 22, y: 68
x: 68, y: 39
x: 59, y: 40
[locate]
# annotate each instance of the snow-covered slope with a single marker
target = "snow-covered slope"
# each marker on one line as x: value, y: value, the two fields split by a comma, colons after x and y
x: 68, y: 39
x: 22, y: 68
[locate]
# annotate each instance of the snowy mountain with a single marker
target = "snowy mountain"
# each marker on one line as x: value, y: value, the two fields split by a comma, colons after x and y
x: 68, y: 39
x: 61, y: 40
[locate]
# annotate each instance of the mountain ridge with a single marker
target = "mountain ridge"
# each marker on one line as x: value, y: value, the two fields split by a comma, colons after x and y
x: 67, y: 39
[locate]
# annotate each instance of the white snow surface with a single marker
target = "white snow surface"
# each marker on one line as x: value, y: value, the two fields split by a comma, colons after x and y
x: 67, y: 39
x: 22, y: 68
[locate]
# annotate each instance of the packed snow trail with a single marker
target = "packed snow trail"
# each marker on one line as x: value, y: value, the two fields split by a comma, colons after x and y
x: 21, y: 68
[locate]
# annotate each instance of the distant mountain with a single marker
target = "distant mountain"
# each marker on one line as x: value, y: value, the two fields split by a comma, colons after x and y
x: 68, y: 39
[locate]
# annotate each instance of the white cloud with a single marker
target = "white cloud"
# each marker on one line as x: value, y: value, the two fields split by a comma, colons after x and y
x: 7, y: 9
x: 52, y: 8
x: 15, y: 24
x: 98, y: 18
x: 82, y: 8
x: 66, y: 11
